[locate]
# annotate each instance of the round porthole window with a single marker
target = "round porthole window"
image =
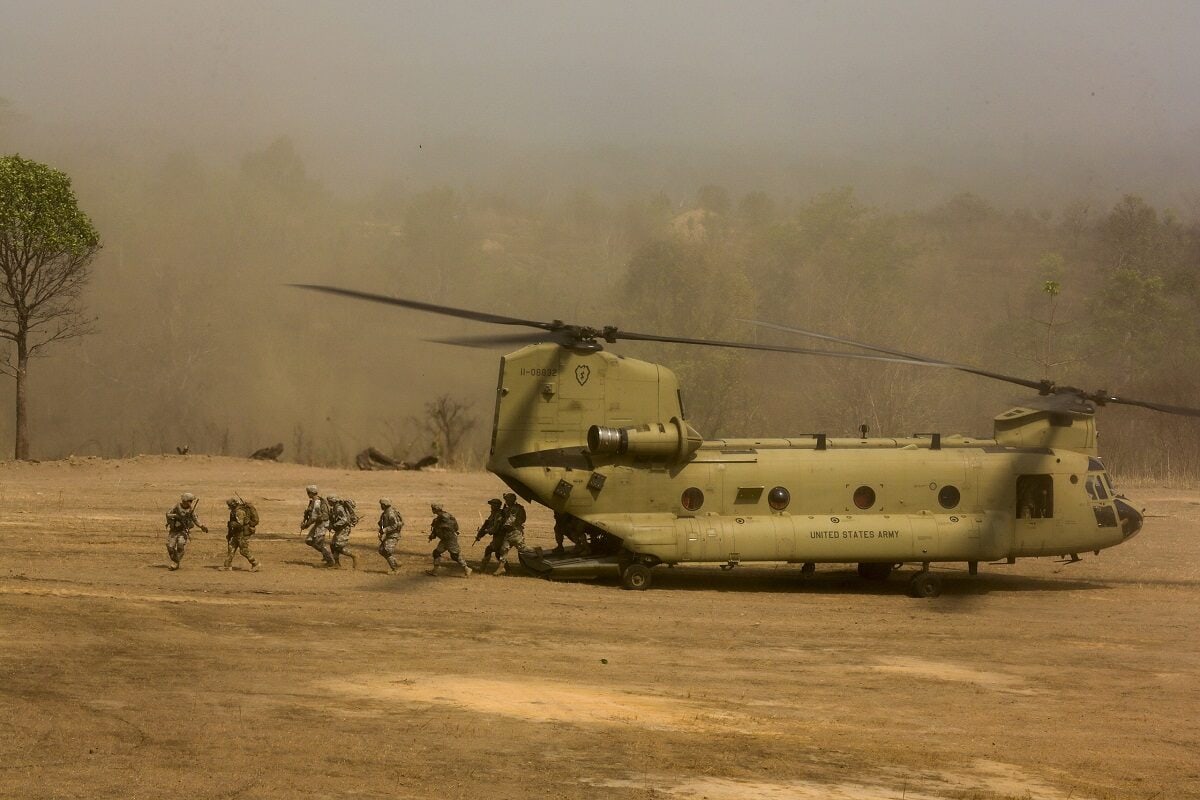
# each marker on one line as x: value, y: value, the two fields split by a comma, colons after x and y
x: 864, y: 497
x: 949, y: 496
x: 692, y: 499
x: 779, y: 498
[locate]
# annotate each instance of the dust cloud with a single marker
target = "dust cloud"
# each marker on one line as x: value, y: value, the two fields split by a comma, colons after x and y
x: 907, y: 173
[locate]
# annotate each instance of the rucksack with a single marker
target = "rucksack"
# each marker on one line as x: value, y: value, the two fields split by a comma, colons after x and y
x: 251, y: 515
x: 348, y: 504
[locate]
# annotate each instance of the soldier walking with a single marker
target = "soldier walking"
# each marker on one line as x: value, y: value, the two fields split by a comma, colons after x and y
x: 492, y: 526
x: 242, y: 524
x: 180, y: 521
x: 444, y: 528
x: 342, y: 520
x: 513, y: 530
x: 390, y: 525
x: 316, y: 522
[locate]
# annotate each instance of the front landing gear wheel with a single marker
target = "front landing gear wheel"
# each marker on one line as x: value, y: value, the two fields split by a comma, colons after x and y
x: 636, y: 576
x: 924, y: 584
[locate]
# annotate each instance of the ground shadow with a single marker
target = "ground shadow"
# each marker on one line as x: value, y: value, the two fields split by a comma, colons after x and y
x: 825, y: 582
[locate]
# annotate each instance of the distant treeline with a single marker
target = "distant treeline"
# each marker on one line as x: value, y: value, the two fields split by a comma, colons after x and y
x: 200, y: 344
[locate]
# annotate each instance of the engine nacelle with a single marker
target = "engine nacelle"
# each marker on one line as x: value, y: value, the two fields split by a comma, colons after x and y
x: 659, y: 441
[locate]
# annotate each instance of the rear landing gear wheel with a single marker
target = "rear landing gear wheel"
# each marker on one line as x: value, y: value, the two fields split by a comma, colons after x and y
x: 874, y: 571
x: 636, y: 576
x: 924, y: 584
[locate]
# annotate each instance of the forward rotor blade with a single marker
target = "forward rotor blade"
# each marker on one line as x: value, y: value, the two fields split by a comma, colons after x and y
x: 447, y: 311
x: 1182, y: 411
x: 1040, y: 386
x: 828, y: 338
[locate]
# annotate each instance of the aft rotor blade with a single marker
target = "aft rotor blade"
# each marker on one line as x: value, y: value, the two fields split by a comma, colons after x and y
x: 774, y: 348
x: 504, y: 340
x: 446, y: 311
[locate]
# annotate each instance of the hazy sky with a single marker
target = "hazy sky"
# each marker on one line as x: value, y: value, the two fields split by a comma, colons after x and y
x: 1001, y: 82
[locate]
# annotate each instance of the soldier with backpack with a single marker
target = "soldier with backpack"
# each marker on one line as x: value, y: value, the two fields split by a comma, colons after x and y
x: 342, y: 518
x: 493, y: 527
x: 444, y: 528
x: 513, y: 529
x: 243, y: 521
x: 316, y: 522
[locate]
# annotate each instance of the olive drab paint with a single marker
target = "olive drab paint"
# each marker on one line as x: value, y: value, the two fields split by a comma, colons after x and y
x: 604, y: 438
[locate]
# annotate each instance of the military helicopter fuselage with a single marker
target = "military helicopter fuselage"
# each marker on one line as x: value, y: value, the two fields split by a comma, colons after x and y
x: 603, y: 439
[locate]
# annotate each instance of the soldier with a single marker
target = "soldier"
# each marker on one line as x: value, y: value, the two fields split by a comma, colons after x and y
x: 572, y: 528
x: 390, y: 525
x: 180, y: 521
x: 513, y: 529
x: 492, y: 526
x: 341, y: 520
x: 316, y: 522
x: 444, y: 528
x: 242, y: 524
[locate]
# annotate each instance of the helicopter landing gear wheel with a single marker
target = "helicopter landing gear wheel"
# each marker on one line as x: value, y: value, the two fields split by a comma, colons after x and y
x: 874, y: 571
x: 636, y: 576
x: 924, y: 584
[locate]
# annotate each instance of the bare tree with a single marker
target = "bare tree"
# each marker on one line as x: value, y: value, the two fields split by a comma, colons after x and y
x: 448, y: 420
x: 46, y: 245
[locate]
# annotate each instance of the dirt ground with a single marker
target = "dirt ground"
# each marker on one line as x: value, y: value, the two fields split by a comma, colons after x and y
x: 120, y: 679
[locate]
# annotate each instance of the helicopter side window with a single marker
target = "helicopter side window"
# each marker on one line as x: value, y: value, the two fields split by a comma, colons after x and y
x: 1035, y: 497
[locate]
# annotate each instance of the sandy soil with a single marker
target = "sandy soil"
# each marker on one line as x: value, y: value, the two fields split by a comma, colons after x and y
x: 121, y: 679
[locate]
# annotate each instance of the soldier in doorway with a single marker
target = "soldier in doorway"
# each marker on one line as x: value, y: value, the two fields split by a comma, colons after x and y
x: 316, y: 522
x: 572, y: 529
x: 180, y: 521
x: 444, y: 528
x: 390, y: 525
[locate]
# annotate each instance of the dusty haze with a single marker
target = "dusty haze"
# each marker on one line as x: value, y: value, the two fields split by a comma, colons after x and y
x: 522, y: 157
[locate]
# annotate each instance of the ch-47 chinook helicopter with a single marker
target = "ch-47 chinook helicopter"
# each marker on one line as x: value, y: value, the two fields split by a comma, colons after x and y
x: 603, y: 442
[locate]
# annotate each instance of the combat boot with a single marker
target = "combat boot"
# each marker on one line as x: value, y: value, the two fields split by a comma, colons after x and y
x: 174, y: 565
x: 353, y: 560
x: 254, y: 566
x: 224, y: 568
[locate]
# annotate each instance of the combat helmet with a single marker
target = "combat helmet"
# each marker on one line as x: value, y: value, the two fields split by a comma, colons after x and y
x: 187, y: 498
x: 311, y: 489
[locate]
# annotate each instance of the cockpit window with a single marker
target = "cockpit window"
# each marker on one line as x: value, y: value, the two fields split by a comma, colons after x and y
x: 1096, y: 488
x: 1095, y: 464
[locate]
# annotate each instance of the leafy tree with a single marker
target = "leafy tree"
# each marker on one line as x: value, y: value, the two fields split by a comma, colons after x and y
x: 46, y: 245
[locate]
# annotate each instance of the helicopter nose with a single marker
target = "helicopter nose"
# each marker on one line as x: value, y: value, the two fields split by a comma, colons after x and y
x: 1131, y: 518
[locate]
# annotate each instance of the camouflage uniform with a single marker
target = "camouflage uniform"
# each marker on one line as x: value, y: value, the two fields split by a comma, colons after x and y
x: 571, y: 528
x: 513, y: 529
x: 238, y: 531
x: 340, y: 524
x: 390, y: 525
x: 492, y: 526
x: 316, y: 522
x: 444, y: 528
x: 180, y: 521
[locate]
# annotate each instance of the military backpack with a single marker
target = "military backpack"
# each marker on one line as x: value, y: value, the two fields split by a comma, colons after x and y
x: 351, y: 511
x: 251, y: 515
